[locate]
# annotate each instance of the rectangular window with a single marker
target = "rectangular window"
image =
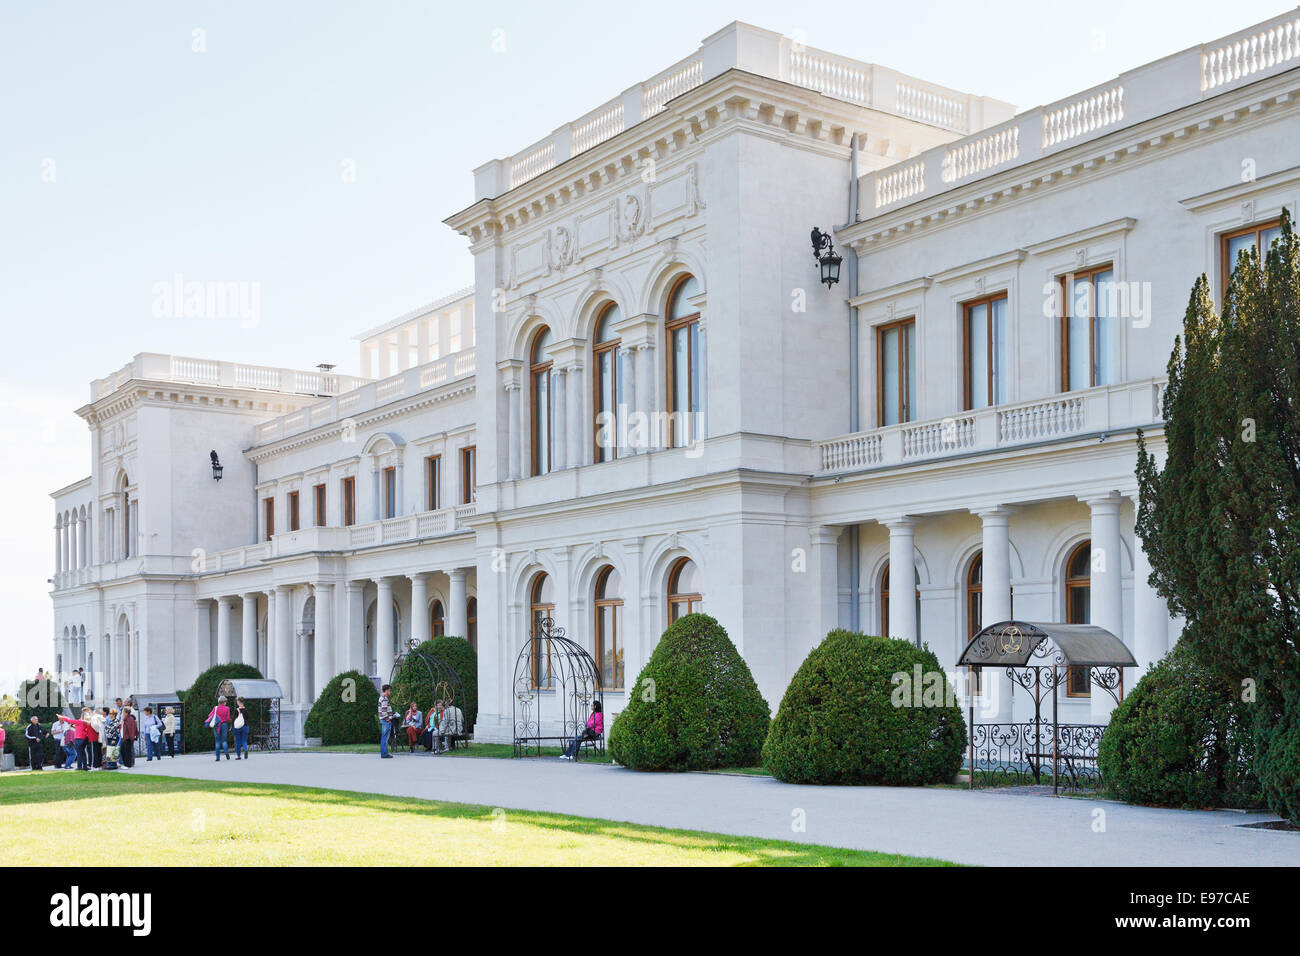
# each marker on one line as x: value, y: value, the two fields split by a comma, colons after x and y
x: 390, y: 492
x: 1088, y: 328
x: 349, y: 489
x: 294, y: 511
x: 268, y: 517
x: 1258, y: 237
x: 319, y: 496
x: 896, y: 372
x: 468, y: 476
x: 433, y: 483
x: 987, y: 347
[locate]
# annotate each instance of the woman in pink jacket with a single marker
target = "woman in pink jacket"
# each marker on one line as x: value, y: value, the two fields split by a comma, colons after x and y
x: 594, y: 730
x: 219, y: 719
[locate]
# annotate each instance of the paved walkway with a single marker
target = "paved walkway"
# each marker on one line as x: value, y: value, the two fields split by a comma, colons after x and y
x: 990, y: 827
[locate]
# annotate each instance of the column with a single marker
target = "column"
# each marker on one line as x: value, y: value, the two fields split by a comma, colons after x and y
x: 824, y: 563
x: 399, y: 506
x: 58, y: 547
x: 457, y: 598
x: 559, y: 440
x: 384, y: 654
x: 902, y: 579
x: 375, y: 497
x: 70, y: 539
x: 1150, y: 618
x: 355, y: 656
x: 324, y: 662
x: 1106, y: 606
x: 645, y: 392
x: 419, y: 607
x: 422, y: 356
x: 996, y: 606
x: 223, y: 630
x: 282, y: 656
x: 83, y: 550
x: 202, y: 639
x: 700, y: 427
x: 267, y: 664
x: 248, y: 628
x: 574, y: 455
x: 512, y: 400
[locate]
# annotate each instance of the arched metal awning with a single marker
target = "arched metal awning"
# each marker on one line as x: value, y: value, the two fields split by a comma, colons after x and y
x: 1012, y: 643
x: 250, y: 688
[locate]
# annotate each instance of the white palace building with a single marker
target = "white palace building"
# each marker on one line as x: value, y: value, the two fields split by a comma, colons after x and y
x: 649, y: 403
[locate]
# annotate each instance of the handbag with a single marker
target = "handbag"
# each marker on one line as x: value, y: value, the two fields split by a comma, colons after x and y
x: 213, y: 721
x: 239, y: 722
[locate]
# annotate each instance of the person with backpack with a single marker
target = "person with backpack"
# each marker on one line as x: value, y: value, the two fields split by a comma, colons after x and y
x: 241, y: 729
x: 218, y: 720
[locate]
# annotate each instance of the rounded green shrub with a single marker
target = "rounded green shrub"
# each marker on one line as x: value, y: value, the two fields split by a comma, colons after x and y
x: 695, y: 705
x: 1181, y: 738
x: 867, y: 710
x: 346, y: 711
x: 201, y: 697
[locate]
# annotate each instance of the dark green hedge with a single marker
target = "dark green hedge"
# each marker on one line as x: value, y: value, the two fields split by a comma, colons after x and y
x: 201, y: 697
x: 695, y: 705
x: 1181, y: 738
x: 845, y: 719
x: 412, y: 679
x: 1277, y: 756
x: 346, y: 711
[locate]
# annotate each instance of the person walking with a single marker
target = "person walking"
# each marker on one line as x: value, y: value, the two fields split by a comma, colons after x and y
x: 241, y: 729
x: 151, y: 731
x: 219, y: 720
x: 169, y: 731
x: 35, y: 735
x: 593, y: 731
x: 385, y: 720
x: 130, y: 734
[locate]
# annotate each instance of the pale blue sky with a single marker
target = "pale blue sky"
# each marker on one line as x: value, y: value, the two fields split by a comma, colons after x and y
x: 226, y: 165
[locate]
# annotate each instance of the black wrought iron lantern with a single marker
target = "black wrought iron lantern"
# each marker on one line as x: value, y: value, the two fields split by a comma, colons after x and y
x: 216, y: 466
x: 824, y: 255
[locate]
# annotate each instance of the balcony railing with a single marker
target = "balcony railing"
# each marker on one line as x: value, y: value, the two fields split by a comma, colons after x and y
x: 1002, y: 426
x: 1141, y: 94
x: 180, y: 369
x: 457, y: 365
x: 762, y: 52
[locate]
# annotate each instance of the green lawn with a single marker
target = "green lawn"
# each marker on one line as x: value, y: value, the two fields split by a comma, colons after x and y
x: 168, y: 821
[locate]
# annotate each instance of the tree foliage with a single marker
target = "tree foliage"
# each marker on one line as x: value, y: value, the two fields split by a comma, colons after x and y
x: 1221, y: 518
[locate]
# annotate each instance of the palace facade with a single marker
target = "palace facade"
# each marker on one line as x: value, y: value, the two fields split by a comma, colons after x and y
x: 648, y: 403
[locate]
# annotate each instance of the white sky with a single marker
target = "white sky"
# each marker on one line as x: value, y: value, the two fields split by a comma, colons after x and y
x: 226, y: 165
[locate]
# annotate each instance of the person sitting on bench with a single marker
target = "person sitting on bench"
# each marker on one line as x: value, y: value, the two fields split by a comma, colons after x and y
x: 451, y: 724
x: 594, y: 730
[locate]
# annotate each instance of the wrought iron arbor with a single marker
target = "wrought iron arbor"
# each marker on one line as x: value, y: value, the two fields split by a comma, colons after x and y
x: 424, y: 677
x: 1038, y: 658
x: 262, y: 704
x: 556, y: 682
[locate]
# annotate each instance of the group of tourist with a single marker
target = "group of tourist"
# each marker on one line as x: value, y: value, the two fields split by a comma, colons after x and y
x: 437, y: 730
x: 219, y: 721
x: 103, y: 739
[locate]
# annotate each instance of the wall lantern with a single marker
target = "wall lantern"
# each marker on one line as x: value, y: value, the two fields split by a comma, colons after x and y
x: 825, y: 257
x: 216, y: 466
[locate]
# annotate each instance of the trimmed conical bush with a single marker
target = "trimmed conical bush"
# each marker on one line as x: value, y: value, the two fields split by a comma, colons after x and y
x: 695, y: 705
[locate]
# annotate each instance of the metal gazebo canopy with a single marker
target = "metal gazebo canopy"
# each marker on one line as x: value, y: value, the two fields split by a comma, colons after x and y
x: 1012, y: 643
x: 262, y: 701
x: 1037, y: 657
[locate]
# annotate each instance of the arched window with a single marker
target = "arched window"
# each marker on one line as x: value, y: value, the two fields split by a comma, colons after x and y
x: 437, y: 620
x: 608, y: 384
x: 541, y: 400
x: 685, y: 595
x: 683, y: 331
x: 609, y: 628
x: 1078, y: 610
x: 884, y: 605
x: 541, y: 605
x: 471, y: 622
